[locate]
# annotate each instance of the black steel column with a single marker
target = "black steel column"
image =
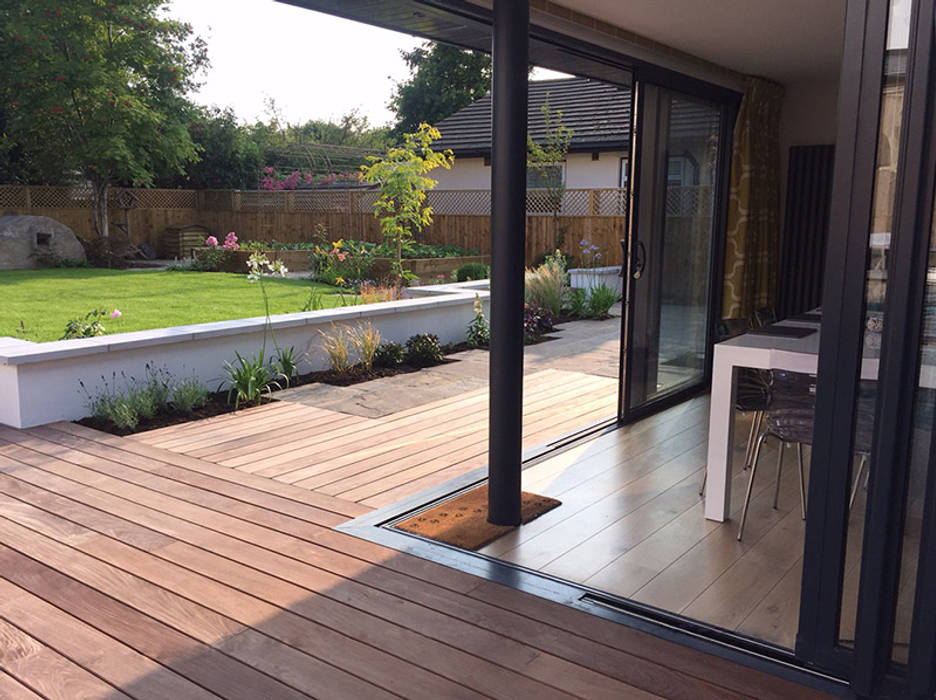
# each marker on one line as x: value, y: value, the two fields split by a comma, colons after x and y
x: 508, y: 250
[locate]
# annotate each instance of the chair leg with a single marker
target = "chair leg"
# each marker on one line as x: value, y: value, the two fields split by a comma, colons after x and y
x: 854, y: 492
x: 704, y: 479
x: 776, y: 494
x: 802, y: 479
x: 752, y: 436
x: 750, y: 484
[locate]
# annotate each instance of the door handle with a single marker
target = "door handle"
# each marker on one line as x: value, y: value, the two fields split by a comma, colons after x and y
x: 640, y: 260
x: 623, y: 270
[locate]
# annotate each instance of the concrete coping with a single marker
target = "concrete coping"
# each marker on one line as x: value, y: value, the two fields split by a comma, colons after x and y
x: 14, y: 351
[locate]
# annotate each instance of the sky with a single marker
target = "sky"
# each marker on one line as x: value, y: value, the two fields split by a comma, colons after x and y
x: 313, y: 65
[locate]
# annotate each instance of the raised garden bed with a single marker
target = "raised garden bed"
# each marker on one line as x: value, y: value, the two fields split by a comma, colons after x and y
x: 426, y: 269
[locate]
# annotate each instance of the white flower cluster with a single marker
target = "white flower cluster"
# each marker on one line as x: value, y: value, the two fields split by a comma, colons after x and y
x: 259, y: 265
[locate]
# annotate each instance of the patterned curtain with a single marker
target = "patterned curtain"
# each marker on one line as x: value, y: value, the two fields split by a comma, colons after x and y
x: 753, y: 236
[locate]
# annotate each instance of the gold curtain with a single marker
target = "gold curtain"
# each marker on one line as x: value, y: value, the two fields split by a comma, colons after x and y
x: 753, y: 232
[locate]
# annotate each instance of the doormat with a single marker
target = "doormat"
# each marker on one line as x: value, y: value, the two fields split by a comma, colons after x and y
x: 462, y: 521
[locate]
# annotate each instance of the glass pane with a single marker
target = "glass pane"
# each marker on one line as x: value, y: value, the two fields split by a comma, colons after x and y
x: 892, y: 100
x: 685, y: 243
x: 924, y: 404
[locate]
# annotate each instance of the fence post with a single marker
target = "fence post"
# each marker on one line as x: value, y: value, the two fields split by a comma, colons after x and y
x: 290, y: 201
x: 27, y: 198
x: 235, y: 200
x: 594, y: 202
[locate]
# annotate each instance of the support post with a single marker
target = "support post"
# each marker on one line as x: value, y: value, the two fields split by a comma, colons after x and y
x: 508, y: 251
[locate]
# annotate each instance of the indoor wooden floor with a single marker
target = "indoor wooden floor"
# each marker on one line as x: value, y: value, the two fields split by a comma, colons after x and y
x: 129, y: 571
x: 377, y: 461
x: 631, y: 523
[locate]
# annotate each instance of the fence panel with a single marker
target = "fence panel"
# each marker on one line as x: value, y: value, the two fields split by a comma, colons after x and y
x: 461, y: 217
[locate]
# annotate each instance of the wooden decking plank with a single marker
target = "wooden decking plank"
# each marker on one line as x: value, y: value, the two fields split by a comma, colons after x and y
x: 46, y: 671
x: 297, y: 668
x: 403, y: 587
x: 184, y: 476
x: 303, y: 606
x: 202, y: 664
x: 431, y: 436
x: 110, y: 660
x: 216, y: 422
x: 335, y: 505
x: 12, y: 689
x: 336, y: 445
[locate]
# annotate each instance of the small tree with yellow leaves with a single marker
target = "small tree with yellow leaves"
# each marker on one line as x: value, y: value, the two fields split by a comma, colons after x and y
x: 402, y: 175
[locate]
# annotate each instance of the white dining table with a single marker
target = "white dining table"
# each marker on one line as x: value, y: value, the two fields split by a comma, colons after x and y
x: 763, y: 352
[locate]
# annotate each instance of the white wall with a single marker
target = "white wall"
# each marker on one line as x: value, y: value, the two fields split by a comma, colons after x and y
x: 581, y: 172
x: 39, y: 382
x: 808, y: 118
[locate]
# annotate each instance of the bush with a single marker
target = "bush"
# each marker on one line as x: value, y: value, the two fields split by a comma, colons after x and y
x: 87, y: 327
x: 366, y: 339
x: 547, y: 286
x: 536, y: 322
x: 337, y: 345
x: 600, y: 300
x: 423, y: 350
x: 578, y: 302
x: 188, y: 395
x: 389, y: 354
x: 250, y: 379
x: 472, y: 271
x: 479, y: 330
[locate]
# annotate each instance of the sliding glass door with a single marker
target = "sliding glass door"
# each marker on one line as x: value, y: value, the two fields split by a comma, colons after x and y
x: 680, y: 142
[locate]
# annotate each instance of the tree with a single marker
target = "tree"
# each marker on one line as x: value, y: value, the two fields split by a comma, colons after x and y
x: 401, y: 174
x: 229, y: 156
x: 546, y: 159
x: 98, y: 87
x: 443, y: 79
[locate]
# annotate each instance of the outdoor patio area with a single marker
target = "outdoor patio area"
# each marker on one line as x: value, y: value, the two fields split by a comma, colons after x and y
x: 132, y: 571
x: 377, y: 442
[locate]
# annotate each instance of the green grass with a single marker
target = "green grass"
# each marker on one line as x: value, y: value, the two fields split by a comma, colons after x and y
x: 44, y: 300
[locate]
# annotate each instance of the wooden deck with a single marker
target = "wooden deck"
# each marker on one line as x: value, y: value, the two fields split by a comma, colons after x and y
x: 377, y: 461
x: 127, y: 570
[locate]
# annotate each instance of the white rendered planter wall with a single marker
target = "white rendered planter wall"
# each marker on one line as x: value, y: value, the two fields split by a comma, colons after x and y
x: 589, y: 277
x: 39, y: 382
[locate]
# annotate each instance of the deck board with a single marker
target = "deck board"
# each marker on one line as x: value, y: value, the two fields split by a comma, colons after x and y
x: 141, y: 571
x: 374, y: 461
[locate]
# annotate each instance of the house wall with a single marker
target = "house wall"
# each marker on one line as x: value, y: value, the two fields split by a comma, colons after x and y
x: 581, y: 172
x: 808, y: 118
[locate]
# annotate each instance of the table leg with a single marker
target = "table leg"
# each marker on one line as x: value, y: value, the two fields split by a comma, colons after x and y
x: 721, y: 438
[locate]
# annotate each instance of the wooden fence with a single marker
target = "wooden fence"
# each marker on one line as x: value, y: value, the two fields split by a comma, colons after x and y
x: 461, y: 216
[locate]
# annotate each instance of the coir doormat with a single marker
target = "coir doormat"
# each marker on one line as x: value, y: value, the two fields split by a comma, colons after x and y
x: 462, y: 521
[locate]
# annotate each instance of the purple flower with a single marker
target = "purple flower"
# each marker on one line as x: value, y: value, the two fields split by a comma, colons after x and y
x: 211, y: 241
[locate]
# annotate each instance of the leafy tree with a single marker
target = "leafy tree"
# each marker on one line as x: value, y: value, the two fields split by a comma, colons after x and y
x: 401, y: 174
x: 230, y: 158
x: 443, y: 79
x: 543, y: 158
x: 98, y: 86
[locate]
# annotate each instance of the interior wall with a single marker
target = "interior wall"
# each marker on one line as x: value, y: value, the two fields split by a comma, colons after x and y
x: 808, y: 119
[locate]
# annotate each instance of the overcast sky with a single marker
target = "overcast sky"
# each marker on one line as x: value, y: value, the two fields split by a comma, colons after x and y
x: 313, y: 65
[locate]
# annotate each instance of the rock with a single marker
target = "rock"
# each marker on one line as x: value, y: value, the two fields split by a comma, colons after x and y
x: 27, y: 240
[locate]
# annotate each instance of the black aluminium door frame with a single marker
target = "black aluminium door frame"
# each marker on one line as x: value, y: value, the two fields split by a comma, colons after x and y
x: 869, y: 665
x: 730, y: 102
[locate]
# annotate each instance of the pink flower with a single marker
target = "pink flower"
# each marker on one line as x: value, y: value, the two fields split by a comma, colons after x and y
x: 230, y: 241
x: 268, y: 170
x: 115, y: 313
x: 211, y: 241
x: 342, y: 256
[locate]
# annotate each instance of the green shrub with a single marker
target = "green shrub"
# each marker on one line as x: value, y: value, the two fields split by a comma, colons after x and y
x: 188, y: 395
x: 578, y: 302
x: 472, y: 271
x: 250, y: 379
x: 547, y: 286
x: 86, y: 327
x: 389, y: 354
x: 600, y: 300
x: 423, y: 350
x: 287, y: 363
x: 479, y: 330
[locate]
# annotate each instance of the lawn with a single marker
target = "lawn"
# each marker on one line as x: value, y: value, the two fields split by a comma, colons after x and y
x: 44, y: 300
